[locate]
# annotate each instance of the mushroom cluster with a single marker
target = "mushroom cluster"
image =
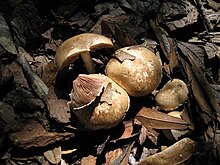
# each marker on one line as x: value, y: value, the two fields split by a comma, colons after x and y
x: 101, y: 101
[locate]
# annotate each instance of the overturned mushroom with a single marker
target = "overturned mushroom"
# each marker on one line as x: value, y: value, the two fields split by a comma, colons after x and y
x: 172, y: 95
x: 81, y: 44
x: 136, y: 69
x: 98, y: 102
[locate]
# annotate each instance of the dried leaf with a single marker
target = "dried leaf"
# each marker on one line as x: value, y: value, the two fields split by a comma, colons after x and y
x: 54, y: 156
x: 6, y: 80
x: 205, y: 84
x: 143, y: 135
x: 173, y: 58
x: 177, y: 15
x: 33, y: 134
x: 33, y: 80
x: 63, y: 162
x: 128, y: 125
x: 101, y: 147
x: 7, y: 115
x: 107, y: 94
x: 50, y: 73
x: 119, y: 156
x: 127, y: 153
x: 162, y: 37
x: 89, y: 160
x: 167, y: 45
x: 214, y: 4
x: 149, y: 133
x: 151, y: 118
x: 122, y: 55
x: 197, y: 52
x: 178, y: 153
x: 23, y: 100
x: 58, y: 108
x: 123, y: 38
x: 112, y: 156
x: 198, y: 93
x: 212, y: 50
x: 152, y: 135
x: 5, y: 37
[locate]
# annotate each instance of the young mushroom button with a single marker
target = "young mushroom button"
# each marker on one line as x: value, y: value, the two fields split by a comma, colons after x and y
x: 98, y: 102
x: 172, y: 95
x: 81, y: 44
x: 136, y: 69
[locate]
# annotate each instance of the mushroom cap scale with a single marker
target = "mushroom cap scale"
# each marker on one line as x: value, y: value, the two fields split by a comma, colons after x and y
x: 107, y: 109
x: 70, y: 49
x: 136, y: 69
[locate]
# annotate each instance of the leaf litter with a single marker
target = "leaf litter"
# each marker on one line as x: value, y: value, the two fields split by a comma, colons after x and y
x: 34, y: 112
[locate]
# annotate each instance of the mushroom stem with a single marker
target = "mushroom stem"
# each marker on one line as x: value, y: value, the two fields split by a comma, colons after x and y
x: 88, y: 62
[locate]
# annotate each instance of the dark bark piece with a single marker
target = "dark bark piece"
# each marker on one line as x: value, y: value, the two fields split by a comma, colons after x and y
x: 17, y: 73
x: 58, y: 108
x: 38, y: 86
x: 7, y: 116
x: 34, y: 135
x: 5, y: 37
x: 177, y: 14
x: 23, y: 100
x: 26, y: 24
x: 6, y: 80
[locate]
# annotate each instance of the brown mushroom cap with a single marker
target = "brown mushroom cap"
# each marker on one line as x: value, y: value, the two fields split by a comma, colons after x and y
x: 172, y: 95
x: 98, y: 102
x: 80, y: 44
x: 136, y: 69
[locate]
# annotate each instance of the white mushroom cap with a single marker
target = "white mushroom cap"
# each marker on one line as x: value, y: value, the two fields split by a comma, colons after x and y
x: 136, y: 69
x: 81, y: 44
x: 98, y: 102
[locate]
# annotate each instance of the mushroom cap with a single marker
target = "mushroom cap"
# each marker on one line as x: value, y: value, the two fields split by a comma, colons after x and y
x: 172, y: 95
x: 70, y: 49
x: 99, y: 103
x: 136, y: 69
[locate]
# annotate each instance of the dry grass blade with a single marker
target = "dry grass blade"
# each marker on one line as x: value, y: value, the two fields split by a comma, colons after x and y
x: 158, y: 120
x: 33, y: 80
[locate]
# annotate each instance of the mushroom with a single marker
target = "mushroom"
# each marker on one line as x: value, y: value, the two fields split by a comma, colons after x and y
x: 172, y: 95
x: 81, y: 44
x: 174, y: 134
x: 98, y: 102
x: 136, y: 69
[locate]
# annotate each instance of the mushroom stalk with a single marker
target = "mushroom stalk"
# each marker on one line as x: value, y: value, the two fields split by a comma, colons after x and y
x: 88, y: 62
